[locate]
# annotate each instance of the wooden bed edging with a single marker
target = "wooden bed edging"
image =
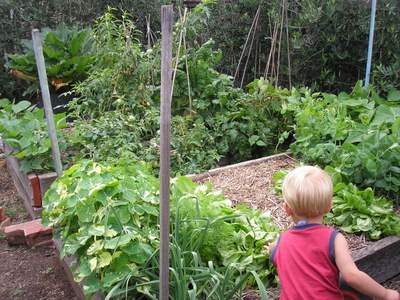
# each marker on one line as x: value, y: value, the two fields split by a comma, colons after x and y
x: 66, y: 263
x: 381, y: 259
x: 213, y: 172
x: 31, y: 188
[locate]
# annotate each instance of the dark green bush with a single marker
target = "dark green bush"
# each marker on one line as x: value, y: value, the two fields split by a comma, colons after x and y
x: 327, y: 39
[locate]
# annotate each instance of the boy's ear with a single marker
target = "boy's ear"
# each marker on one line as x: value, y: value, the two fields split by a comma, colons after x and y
x: 287, y: 208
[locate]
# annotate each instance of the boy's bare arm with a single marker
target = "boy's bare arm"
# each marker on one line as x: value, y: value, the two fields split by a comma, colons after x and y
x: 356, y: 278
x: 269, y: 247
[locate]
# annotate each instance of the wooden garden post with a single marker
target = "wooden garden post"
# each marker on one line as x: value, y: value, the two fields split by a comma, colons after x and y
x: 165, y: 147
x: 44, y: 87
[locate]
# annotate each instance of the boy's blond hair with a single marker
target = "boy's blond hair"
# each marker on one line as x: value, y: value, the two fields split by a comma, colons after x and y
x: 308, y: 191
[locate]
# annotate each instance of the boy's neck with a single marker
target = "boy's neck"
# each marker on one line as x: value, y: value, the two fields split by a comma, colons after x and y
x: 314, y: 220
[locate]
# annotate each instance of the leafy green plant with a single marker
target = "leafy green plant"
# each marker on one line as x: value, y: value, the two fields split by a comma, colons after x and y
x: 355, y: 210
x: 107, y: 216
x: 121, y: 76
x: 360, y: 211
x: 23, y: 127
x: 356, y: 133
x: 118, y: 108
x: 67, y: 57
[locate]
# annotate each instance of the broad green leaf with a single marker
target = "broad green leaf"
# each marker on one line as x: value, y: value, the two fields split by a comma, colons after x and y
x: 95, y: 247
x: 385, y: 114
x: 123, y: 214
x: 85, y: 212
x: 92, y: 264
x: 4, y: 103
x: 97, y: 230
x: 371, y: 166
x: 394, y: 95
x: 84, y: 268
x: 104, y: 259
x: 253, y: 139
x: 91, y: 285
x: 118, y: 241
x: 20, y: 106
x: 364, y: 224
x: 70, y: 246
x: 261, y: 143
x: 138, y: 252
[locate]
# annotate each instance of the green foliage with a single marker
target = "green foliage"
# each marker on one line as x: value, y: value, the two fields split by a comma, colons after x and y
x: 387, y: 78
x: 355, y: 210
x: 327, y: 40
x: 360, y: 211
x: 66, y: 53
x: 23, y: 127
x: 118, y: 108
x: 120, y: 78
x: 357, y: 134
x: 20, y: 16
x: 108, y: 216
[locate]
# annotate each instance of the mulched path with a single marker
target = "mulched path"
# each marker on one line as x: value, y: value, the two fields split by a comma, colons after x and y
x: 27, y: 273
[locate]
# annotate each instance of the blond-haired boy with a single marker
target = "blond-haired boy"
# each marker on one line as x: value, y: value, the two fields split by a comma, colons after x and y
x: 310, y: 256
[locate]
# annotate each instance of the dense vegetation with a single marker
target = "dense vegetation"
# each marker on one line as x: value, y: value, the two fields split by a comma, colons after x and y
x: 358, y: 134
x: 327, y: 40
x: 67, y: 57
x: 118, y: 108
x: 105, y: 208
x: 356, y: 138
x: 108, y: 216
x: 23, y: 128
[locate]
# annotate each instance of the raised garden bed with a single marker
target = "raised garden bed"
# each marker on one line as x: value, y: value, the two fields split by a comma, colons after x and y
x: 251, y: 182
x: 66, y: 264
x: 30, y: 187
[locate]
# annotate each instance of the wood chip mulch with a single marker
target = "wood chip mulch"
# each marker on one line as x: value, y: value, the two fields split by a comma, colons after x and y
x: 253, y: 185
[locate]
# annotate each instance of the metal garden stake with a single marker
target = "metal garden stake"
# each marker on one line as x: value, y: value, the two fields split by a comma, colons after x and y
x: 370, y: 42
x: 44, y: 87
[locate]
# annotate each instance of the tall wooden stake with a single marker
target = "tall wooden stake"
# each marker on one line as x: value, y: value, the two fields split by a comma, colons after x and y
x: 44, y: 87
x: 165, y: 147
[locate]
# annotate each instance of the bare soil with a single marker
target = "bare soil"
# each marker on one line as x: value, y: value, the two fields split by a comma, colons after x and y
x: 27, y: 273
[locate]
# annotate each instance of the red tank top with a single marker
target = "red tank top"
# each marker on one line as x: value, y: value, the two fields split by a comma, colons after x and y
x: 304, y: 258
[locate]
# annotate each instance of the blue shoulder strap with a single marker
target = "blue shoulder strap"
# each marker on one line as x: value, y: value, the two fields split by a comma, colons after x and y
x: 332, y: 245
